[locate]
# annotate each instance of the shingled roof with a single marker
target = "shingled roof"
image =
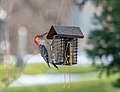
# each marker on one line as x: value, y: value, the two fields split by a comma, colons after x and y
x: 65, y: 31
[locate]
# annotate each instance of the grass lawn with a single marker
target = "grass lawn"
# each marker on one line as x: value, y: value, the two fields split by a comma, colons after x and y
x: 43, y: 68
x: 100, y: 85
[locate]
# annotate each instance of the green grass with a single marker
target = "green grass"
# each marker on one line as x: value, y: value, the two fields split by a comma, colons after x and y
x: 9, y: 70
x: 35, y: 69
x: 76, y: 69
x: 42, y: 68
x: 2, y: 69
x: 101, y: 85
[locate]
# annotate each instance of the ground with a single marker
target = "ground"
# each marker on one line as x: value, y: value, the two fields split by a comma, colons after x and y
x: 97, y: 85
x: 100, y: 85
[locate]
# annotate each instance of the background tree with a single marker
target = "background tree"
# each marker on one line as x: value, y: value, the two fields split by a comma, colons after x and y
x: 106, y: 41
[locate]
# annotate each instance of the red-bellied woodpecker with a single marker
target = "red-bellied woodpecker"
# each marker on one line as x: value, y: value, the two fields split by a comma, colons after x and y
x: 44, y: 48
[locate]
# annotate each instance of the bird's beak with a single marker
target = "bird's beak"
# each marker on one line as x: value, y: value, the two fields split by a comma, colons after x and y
x: 44, y: 34
x: 41, y: 36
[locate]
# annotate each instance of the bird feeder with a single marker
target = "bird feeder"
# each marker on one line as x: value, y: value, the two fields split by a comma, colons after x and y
x: 64, y: 44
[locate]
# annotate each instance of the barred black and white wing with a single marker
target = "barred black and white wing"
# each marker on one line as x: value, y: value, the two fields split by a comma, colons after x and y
x: 44, y: 54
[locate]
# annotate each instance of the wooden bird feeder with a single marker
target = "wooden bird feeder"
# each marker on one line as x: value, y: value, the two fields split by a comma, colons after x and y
x: 64, y: 44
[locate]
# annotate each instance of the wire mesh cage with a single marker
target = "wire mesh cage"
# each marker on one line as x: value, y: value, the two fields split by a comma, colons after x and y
x: 64, y: 44
x: 64, y: 50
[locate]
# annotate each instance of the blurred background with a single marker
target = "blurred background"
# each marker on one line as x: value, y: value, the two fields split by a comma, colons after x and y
x: 98, y: 67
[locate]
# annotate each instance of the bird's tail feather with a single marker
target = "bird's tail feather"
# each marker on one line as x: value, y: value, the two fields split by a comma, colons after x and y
x: 54, y: 65
x: 48, y: 65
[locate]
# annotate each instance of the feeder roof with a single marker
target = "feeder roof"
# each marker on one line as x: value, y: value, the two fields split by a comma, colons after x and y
x: 65, y: 31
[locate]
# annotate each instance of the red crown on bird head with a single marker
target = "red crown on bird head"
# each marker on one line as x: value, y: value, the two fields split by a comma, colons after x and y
x: 35, y: 42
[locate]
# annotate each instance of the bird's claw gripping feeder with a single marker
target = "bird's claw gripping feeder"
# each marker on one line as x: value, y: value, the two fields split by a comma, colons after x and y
x: 64, y: 44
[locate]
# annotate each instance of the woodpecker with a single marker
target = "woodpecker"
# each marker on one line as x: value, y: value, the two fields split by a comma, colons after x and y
x: 44, y: 48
